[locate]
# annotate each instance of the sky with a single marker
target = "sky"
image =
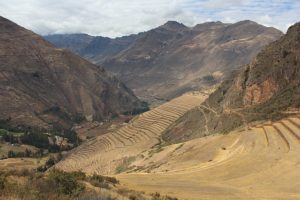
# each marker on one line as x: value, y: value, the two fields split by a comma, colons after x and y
x: 114, y: 18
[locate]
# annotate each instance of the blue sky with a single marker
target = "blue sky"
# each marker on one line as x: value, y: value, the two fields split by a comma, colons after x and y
x: 122, y: 17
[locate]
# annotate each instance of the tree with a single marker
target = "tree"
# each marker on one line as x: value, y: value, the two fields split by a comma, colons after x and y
x: 11, y: 154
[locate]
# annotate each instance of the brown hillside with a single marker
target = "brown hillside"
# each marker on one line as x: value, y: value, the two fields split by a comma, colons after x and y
x: 172, y: 59
x: 267, y: 88
x: 41, y: 85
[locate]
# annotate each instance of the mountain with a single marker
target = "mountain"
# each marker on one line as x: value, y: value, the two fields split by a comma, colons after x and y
x: 93, y: 48
x: 267, y: 88
x: 172, y: 59
x: 74, y: 42
x: 43, y: 86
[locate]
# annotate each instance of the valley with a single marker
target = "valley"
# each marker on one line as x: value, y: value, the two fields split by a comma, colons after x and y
x: 103, y: 154
x: 124, y: 108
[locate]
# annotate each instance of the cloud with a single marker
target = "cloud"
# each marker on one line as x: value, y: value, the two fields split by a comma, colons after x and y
x: 123, y: 17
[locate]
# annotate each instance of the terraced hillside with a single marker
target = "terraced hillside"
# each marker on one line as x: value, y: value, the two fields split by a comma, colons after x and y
x: 260, y: 163
x: 105, y: 153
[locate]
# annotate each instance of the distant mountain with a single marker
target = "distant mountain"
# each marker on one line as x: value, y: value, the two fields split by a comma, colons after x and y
x: 172, y: 59
x: 74, y: 42
x: 42, y: 86
x: 93, y: 48
x: 169, y: 60
x: 266, y: 89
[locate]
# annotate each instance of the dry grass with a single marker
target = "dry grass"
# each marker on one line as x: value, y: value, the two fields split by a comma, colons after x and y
x: 22, y: 163
x: 260, y: 163
x: 105, y: 153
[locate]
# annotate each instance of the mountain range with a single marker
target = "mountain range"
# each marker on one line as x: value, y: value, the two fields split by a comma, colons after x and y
x: 172, y: 59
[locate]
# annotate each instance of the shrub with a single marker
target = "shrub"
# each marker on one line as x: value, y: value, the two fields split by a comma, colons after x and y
x: 2, y: 181
x: 65, y: 183
x: 102, y: 181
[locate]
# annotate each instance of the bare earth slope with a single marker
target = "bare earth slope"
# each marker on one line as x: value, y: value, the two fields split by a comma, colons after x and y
x: 172, y: 59
x: 41, y: 85
x: 105, y: 153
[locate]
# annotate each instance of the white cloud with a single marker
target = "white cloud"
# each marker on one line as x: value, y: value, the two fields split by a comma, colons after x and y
x: 123, y: 17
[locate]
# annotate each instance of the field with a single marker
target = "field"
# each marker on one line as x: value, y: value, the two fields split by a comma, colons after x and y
x: 260, y: 163
x: 21, y: 163
x: 106, y: 153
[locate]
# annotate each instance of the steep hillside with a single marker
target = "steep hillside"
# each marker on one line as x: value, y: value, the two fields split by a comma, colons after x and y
x: 172, y: 59
x: 267, y: 88
x: 42, y: 86
x: 93, y: 48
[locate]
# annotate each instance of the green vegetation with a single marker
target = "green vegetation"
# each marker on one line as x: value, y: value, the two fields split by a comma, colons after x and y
x: 27, y: 153
x: 53, y: 185
x: 2, y: 181
x: 65, y: 183
x: 102, y: 181
x: 37, y: 138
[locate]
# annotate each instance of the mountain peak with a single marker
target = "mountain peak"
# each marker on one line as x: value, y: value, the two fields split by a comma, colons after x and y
x: 173, y: 25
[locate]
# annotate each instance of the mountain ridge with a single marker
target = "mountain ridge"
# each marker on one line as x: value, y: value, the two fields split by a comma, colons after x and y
x: 167, y: 61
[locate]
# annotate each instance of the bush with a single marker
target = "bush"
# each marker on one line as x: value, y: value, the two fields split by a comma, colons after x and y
x: 2, y: 181
x: 102, y: 181
x: 65, y: 183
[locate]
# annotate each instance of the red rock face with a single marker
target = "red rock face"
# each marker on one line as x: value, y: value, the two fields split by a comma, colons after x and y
x: 260, y: 93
